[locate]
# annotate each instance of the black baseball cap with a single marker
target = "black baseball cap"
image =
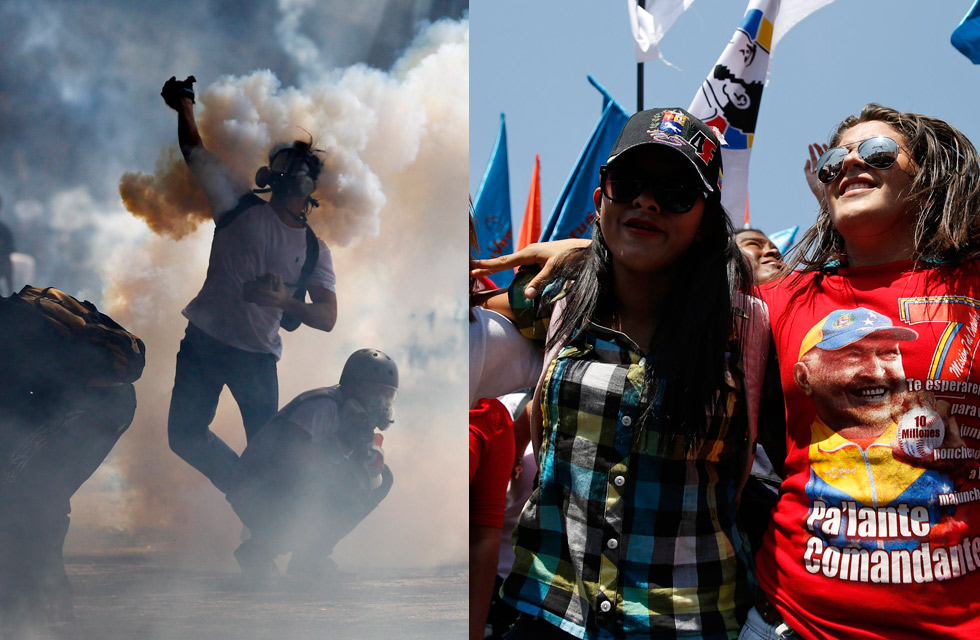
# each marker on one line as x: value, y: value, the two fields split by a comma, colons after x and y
x: 675, y: 128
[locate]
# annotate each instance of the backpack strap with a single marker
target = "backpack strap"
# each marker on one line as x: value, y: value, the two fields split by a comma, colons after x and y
x: 247, y: 201
x: 288, y: 321
x: 312, y: 255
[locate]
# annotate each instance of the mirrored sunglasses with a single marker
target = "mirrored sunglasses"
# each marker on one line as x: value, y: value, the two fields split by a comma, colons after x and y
x: 672, y: 194
x: 879, y: 152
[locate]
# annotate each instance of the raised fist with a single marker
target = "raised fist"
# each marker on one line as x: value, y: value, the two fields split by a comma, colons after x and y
x: 174, y: 90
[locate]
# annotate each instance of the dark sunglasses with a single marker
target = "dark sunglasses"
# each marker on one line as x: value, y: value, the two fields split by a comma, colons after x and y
x: 672, y: 194
x: 879, y: 152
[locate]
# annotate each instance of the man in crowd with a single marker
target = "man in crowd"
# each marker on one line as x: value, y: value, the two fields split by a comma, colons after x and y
x: 762, y: 489
x: 315, y: 471
x: 762, y: 254
x: 259, y: 248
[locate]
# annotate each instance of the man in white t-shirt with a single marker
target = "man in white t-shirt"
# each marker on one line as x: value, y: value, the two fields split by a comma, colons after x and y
x: 315, y: 471
x: 261, y: 254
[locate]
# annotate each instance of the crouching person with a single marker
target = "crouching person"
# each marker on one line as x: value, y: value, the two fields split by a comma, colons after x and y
x: 314, y: 472
x: 66, y: 396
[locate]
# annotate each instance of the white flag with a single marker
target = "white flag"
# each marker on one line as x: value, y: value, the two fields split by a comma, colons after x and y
x: 789, y: 13
x: 651, y: 24
x: 729, y: 98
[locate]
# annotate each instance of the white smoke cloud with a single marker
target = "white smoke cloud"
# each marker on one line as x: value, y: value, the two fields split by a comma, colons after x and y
x: 241, y: 118
x: 393, y: 198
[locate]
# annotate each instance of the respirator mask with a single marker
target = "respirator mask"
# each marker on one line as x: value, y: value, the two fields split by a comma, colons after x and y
x: 374, y: 412
x: 380, y: 411
x: 290, y: 173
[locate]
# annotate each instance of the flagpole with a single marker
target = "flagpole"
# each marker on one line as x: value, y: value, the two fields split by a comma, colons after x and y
x: 639, y: 72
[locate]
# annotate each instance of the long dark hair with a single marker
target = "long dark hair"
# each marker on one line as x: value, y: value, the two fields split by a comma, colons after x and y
x: 945, y: 190
x: 694, y: 330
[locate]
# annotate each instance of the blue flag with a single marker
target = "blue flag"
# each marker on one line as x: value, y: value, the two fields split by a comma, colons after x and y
x: 574, y: 211
x: 491, y: 208
x: 784, y: 239
x: 966, y: 37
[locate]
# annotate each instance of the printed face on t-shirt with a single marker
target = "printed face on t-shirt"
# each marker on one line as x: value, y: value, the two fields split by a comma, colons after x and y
x: 855, y: 389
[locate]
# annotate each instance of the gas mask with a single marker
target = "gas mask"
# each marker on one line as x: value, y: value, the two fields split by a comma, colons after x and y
x: 380, y: 411
x: 374, y: 412
x: 288, y: 174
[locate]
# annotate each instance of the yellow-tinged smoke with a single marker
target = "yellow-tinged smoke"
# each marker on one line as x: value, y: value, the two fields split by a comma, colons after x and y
x: 169, y: 201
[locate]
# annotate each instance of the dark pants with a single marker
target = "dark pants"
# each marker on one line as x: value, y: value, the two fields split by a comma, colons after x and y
x: 204, y: 367
x: 49, y: 447
x: 501, y: 615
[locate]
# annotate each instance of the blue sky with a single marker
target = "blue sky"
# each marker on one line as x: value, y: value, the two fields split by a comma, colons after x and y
x: 530, y: 60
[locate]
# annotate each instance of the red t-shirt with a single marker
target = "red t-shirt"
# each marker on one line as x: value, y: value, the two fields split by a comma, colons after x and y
x: 491, y: 461
x: 868, y: 542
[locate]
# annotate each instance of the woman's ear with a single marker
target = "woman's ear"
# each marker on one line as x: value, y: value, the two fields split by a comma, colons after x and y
x: 597, y: 199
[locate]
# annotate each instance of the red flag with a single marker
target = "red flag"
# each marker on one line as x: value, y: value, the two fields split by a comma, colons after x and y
x: 531, y: 227
x: 747, y: 225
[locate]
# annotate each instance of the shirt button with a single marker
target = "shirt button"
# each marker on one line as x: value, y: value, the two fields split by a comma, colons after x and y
x: 627, y: 421
x: 612, y: 543
x: 605, y: 606
x: 619, y: 481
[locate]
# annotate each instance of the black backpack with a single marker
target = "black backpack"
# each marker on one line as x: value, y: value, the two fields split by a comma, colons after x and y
x: 49, y: 337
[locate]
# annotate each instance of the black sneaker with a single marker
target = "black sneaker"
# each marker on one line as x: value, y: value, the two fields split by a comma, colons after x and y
x: 321, y: 570
x: 257, y: 564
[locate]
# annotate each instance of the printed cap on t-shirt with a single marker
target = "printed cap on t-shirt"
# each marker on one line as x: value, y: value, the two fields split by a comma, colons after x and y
x: 846, y: 326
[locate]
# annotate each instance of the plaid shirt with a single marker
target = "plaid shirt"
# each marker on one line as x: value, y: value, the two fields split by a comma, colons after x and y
x: 619, y: 540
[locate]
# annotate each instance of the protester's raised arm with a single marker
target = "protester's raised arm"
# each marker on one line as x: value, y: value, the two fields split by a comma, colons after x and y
x: 179, y: 96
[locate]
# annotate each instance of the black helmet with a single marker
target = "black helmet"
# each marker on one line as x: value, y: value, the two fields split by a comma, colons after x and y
x: 370, y: 365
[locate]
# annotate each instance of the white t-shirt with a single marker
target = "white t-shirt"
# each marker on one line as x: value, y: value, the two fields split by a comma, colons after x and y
x: 501, y: 359
x: 256, y: 243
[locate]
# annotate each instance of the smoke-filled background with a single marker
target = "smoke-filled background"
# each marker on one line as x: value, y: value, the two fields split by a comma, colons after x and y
x: 383, y: 88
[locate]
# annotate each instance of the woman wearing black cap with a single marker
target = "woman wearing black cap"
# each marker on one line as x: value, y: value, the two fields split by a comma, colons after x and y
x: 631, y: 530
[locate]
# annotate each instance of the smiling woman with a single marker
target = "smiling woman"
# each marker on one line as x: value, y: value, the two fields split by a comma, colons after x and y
x: 644, y: 430
x: 871, y: 335
x: 924, y: 206
x: 649, y: 225
x: 869, y: 204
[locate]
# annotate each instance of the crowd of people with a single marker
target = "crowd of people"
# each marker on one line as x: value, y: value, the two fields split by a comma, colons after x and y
x: 731, y: 446
x: 311, y: 471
